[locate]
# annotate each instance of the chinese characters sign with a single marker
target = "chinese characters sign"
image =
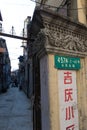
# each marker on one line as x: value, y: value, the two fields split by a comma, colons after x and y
x: 69, y: 63
x: 68, y: 100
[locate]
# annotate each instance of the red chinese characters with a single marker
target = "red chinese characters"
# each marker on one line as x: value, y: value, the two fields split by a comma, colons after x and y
x: 69, y: 112
x: 71, y: 127
x: 67, y: 77
x: 68, y: 95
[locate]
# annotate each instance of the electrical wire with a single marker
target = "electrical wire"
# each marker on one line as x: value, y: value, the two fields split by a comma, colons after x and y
x: 50, y: 6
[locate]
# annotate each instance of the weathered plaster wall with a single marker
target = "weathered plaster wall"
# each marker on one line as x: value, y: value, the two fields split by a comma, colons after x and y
x: 53, y: 94
x: 44, y: 93
x: 81, y: 5
x: 49, y: 94
x: 82, y: 94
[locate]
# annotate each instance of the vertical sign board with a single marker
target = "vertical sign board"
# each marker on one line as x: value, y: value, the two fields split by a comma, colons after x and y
x: 67, y: 91
x: 68, y: 100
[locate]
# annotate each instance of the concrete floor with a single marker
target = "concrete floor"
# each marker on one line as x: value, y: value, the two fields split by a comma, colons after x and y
x: 15, y: 111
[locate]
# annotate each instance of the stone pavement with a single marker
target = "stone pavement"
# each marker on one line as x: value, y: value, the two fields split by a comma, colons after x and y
x: 15, y: 111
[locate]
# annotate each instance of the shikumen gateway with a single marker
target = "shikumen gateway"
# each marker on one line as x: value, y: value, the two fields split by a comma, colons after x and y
x: 58, y: 62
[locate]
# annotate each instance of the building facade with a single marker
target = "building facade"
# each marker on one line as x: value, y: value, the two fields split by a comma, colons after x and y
x: 76, y: 9
x: 23, y: 64
x: 57, y: 65
x: 5, y: 66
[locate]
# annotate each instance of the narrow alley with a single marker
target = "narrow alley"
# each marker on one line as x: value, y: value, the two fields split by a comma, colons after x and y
x: 15, y: 110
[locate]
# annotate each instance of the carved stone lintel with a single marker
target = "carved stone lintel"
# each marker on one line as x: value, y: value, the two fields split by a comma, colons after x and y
x: 58, y: 43
x: 64, y: 41
x: 58, y: 34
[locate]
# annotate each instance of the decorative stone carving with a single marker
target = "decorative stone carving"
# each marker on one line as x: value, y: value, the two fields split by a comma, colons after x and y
x: 65, y: 41
x: 37, y: 44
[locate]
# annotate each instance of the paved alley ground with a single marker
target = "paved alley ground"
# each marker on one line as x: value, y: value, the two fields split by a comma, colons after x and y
x: 15, y: 111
